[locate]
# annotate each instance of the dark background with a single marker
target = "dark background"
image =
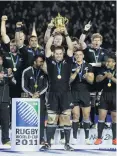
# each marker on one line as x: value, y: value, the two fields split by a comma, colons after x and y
x: 102, y: 15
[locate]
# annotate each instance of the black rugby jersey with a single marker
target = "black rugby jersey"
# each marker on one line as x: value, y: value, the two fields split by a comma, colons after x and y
x: 29, y: 53
x: 62, y: 68
x: 106, y: 81
x: 93, y: 55
x: 10, y: 59
x: 32, y: 76
x: 80, y: 83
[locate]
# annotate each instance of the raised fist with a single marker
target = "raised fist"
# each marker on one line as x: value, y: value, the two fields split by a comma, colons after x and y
x: 64, y: 30
x: 19, y: 24
x: 87, y: 26
x: 4, y: 18
x: 51, y: 24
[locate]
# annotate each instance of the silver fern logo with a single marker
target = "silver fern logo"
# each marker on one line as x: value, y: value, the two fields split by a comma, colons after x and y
x: 27, y: 113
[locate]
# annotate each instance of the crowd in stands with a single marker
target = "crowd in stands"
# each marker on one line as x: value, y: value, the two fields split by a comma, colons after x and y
x: 101, y: 14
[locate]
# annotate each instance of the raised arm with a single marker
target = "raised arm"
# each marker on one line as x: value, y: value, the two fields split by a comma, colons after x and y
x: 5, y: 37
x: 81, y: 41
x: 69, y: 44
x: 34, y: 33
x: 34, y: 30
x: 83, y: 35
x: 19, y: 35
x: 48, y: 51
x: 48, y: 31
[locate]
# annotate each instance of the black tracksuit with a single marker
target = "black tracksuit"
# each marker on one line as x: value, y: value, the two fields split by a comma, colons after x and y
x: 28, y: 54
x: 28, y: 82
x: 9, y: 60
x: 4, y: 105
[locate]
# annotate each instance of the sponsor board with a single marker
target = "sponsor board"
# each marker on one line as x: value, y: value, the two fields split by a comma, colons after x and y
x: 25, y: 124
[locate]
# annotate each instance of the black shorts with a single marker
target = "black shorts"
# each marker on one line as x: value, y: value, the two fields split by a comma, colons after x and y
x: 108, y: 101
x: 59, y: 102
x: 96, y: 86
x: 81, y: 99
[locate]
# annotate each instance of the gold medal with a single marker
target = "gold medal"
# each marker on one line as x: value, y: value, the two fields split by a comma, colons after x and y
x: 59, y: 76
x: 36, y: 86
x: 109, y: 84
x: 14, y: 69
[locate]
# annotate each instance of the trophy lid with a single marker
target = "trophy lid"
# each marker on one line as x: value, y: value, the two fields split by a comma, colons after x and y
x: 60, y: 20
x: 59, y: 16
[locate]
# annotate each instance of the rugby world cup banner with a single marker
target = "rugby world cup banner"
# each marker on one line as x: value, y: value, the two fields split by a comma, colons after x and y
x: 25, y: 124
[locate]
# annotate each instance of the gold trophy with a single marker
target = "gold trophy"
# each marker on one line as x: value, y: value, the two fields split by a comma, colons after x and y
x: 59, y: 22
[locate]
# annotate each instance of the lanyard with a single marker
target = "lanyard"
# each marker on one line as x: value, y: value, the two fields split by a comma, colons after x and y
x: 35, y: 78
x: 35, y: 52
x: 14, y: 62
x: 96, y: 56
x: 81, y: 70
x: 59, y: 68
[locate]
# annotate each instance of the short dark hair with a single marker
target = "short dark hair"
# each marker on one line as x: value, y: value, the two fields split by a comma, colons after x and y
x: 96, y: 35
x: 112, y: 56
x: 58, y: 48
x: 78, y: 50
x: 12, y: 41
x: 75, y: 39
x: 32, y: 37
x: 36, y: 57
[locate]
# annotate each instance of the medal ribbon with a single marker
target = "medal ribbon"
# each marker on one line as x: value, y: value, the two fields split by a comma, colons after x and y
x: 59, y: 68
x: 96, y: 56
x: 14, y: 62
x: 36, y: 52
x: 37, y: 74
x: 81, y: 70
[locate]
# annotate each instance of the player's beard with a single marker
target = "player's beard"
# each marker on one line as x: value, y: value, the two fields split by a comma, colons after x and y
x: 13, y: 50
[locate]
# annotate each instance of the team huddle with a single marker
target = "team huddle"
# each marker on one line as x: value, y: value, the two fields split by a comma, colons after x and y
x: 63, y: 74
